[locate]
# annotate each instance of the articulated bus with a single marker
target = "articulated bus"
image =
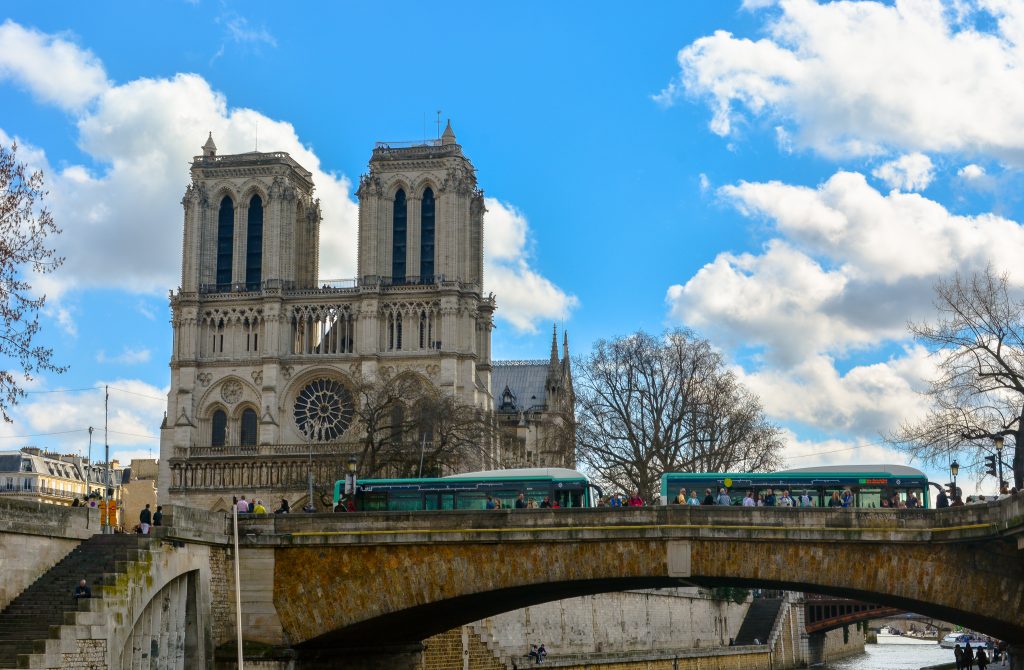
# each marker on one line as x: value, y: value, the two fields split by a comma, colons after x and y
x: 470, y: 490
x: 868, y: 483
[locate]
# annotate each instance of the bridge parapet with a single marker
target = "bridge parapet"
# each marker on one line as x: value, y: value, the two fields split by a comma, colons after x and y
x: 188, y: 524
x: 25, y: 517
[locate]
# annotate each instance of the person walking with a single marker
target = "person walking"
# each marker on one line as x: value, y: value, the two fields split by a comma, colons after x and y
x: 748, y: 500
x: 681, y: 498
x: 145, y: 520
x: 835, y: 501
x: 723, y: 497
x: 941, y: 500
x: 521, y: 501
x: 958, y: 656
x: 158, y: 516
x: 694, y: 500
x: 708, y: 498
x: 968, y: 657
x: 981, y: 658
x: 243, y: 506
x: 635, y: 501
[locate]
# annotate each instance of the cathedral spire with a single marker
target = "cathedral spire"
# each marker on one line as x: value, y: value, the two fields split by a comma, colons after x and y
x: 448, y: 136
x: 210, y: 149
x: 554, y: 345
x: 565, y: 345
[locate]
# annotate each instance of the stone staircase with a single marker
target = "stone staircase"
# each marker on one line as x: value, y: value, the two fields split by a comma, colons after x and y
x: 33, y: 621
x: 759, y: 621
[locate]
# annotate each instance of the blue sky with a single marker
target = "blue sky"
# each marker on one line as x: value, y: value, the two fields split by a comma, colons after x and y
x: 789, y: 179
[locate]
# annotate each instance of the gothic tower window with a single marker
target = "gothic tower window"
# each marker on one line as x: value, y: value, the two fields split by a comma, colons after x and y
x: 225, y: 242
x: 249, y: 428
x: 254, y: 245
x: 219, y: 428
x: 427, y: 237
x: 398, y: 229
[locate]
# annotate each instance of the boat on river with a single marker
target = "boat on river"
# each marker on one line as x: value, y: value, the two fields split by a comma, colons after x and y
x: 963, y: 639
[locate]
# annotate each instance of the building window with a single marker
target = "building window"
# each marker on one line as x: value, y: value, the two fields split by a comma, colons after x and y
x: 398, y: 229
x: 219, y: 427
x: 225, y: 242
x: 427, y: 237
x: 249, y: 428
x: 254, y: 245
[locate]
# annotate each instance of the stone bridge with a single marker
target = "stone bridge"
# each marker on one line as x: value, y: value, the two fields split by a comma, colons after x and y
x: 369, y: 587
x: 379, y: 583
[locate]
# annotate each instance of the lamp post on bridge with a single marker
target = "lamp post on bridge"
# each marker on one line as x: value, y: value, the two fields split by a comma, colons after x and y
x: 999, y: 461
x: 954, y: 468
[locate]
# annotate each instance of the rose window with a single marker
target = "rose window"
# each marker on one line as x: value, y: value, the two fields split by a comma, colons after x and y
x: 323, y: 410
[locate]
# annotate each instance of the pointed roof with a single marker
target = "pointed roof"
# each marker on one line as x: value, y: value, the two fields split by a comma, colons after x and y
x: 210, y: 148
x: 565, y: 344
x: 554, y: 345
x: 448, y: 136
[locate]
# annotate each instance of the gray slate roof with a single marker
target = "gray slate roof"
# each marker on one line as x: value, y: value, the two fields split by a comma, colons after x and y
x: 526, y: 380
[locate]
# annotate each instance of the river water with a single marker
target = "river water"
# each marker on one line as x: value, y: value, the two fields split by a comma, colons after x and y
x: 909, y: 655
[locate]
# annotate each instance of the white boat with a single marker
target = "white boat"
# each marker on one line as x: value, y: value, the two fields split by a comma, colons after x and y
x: 963, y: 639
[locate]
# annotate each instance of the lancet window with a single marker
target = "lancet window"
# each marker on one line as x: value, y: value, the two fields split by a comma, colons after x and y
x: 398, y: 234
x: 323, y: 329
x: 254, y: 245
x: 427, y: 237
x: 234, y: 333
x: 410, y: 327
x: 249, y: 427
x: 225, y: 242
x: 219, y: 428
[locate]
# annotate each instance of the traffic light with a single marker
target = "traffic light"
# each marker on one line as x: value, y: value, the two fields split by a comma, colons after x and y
x: 990, y: 465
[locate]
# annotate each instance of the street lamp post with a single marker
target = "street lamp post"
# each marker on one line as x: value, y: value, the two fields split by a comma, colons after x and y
x: 999, y: 460
x: 954, y: 468
x: 350, y: 481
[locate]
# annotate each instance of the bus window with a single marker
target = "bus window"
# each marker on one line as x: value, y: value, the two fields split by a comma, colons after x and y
x: 430, y: 501
x: 568, y: 498
x: 447, y: 501
x: 375, y: 502
x: 405, y: 502
x: 472, y: 500
x: 869, y: 498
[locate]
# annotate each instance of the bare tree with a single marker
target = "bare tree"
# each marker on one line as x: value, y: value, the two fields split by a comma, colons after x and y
x: 409, y: 429
x: 978, y: 393
x: 648, y: 405
x: 25, y: 226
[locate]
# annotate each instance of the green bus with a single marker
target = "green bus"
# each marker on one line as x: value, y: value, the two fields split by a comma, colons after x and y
x: 567, y: 488
x: 868, y: 483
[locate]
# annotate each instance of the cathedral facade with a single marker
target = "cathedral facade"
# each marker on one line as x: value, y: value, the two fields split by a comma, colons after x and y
x: 273, y: 372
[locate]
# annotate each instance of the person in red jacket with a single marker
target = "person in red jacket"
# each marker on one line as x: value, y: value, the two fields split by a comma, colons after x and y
x: 636, y: 500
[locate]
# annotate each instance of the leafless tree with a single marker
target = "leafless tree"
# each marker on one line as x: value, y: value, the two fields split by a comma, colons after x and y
x: 977, y: 341
x: 409, y: 429
x: 648, y: 405
x: 25, y: 225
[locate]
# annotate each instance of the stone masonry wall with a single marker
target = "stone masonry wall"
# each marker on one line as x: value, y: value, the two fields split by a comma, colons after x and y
x: 836, y: 649
x: 446, y: 652
x: 24, y: 558
x: 90, y: 655
x: 626, y: 621
x: 222, y: 601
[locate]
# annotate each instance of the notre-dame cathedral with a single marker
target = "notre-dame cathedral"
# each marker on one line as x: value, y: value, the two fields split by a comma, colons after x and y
x: 269, y: 366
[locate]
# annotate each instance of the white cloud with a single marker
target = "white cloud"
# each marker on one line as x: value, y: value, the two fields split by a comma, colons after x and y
x: 866, y: 77
x: 971, y: 172
x: 126, y: 357
x: 846, y: 268
x: 524, y: 296
x: 241, y: 31
x: 910, y: 172
x: 54, y: 69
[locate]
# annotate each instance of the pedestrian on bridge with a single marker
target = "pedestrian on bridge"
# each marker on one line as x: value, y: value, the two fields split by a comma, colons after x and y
x: 723, y: 497
x: 941, y: 500
x: 708, y: 498
x: 681, y: 498
x: 145, y: 519
x: 968, y: 657
x: 694, y: 500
